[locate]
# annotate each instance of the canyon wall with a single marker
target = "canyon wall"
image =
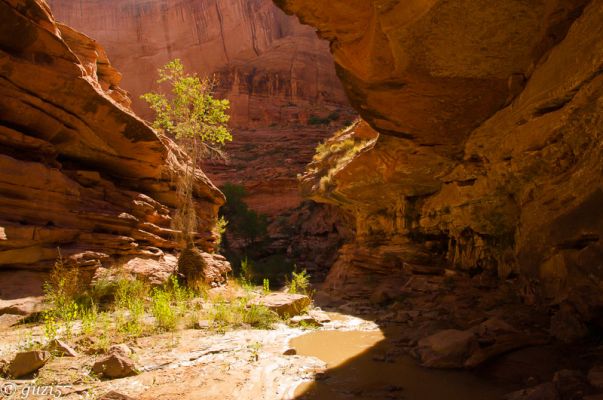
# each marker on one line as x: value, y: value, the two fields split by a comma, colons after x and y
x: 274, y: 70
x: 482, y: 147
x: 277, y: 74
x: 78, y: 169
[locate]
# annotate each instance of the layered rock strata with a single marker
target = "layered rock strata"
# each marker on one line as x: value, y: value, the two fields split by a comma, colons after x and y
x: 78, y: 169
x: 488, y: 155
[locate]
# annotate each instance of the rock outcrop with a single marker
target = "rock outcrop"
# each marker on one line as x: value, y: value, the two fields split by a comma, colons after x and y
x: 273, y: 69
x: 486, y: 148
x: 78, y: 169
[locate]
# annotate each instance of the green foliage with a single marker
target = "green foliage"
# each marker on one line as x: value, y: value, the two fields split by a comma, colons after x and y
x: 161, y: 308
x: 266, y: 286
x: 334, y: 153
x: 259, y: 317
x: 249, y: 224
x: 228, y: 315
x: 61, y: 293
x: 129, y: 290
x: 220, y: 229
x: 316, y: 120
x: 130, y: 296
x: 198, y: 122
x: 51, y: 325
x: 101, y: 291
x: 89, y: 319
x: 300, y: 282
x: 62, y: 288
x: 191, y: 111
x: 170, y: 303
x: 246, y: 270
x: 346, y: 148
x: 255, y: 351
x: 274, y: 267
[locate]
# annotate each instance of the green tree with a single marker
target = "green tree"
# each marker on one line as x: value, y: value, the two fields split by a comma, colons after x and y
x: 251, y: 225
x: 197, y: 121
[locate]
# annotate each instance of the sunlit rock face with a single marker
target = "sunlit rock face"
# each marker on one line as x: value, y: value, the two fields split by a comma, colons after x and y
x: 274, y: 70
x: 487, y: 139
x: 78, y: 169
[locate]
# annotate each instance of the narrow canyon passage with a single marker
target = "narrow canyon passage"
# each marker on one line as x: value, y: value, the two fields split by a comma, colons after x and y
x: 410, y: 207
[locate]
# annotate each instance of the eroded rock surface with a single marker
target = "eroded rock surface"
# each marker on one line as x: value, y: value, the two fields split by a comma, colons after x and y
x: 486, y: 150
x: 78, y: 170
x: 27, y: 362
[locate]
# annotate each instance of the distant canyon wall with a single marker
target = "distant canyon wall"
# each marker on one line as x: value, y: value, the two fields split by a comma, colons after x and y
x: 274, y: 70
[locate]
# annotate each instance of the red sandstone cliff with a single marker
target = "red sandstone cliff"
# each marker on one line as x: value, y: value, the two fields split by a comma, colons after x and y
x: 273, y: 69
x: 78, y: 169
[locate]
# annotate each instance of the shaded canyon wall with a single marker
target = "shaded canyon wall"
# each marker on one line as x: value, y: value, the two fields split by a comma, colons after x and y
x: 482, y: 145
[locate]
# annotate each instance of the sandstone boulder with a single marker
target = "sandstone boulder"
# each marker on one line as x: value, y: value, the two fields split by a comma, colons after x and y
x: 22, y: 306
x: 284, y: 304
x: 567, y: 326
x: 595, y: 376
x: 8, y: 320
x: 27, y: 362
x: 290, y: 352
x: 60, y: 348
x: 446, y: 349
x: 571, y: 384
x: 493, y: 327
x: 304, y: 320
x: 114, y: 366
x: 545, y: 391
x: 319, y: 316
x: 121, y: 349
x: 154, y: 271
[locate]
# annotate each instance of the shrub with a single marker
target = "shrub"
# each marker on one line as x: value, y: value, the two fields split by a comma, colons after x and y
x: 62, y: 288
x: 89, y: 319
x: 300, y: 282
x: 259, y: 317
x: 220, y: 229
x: 128, y: 291
x: 334, y: 116
x: 228, y: 315
x: 316, y: 120
x: 162, y: 310
x: 246, y: 270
